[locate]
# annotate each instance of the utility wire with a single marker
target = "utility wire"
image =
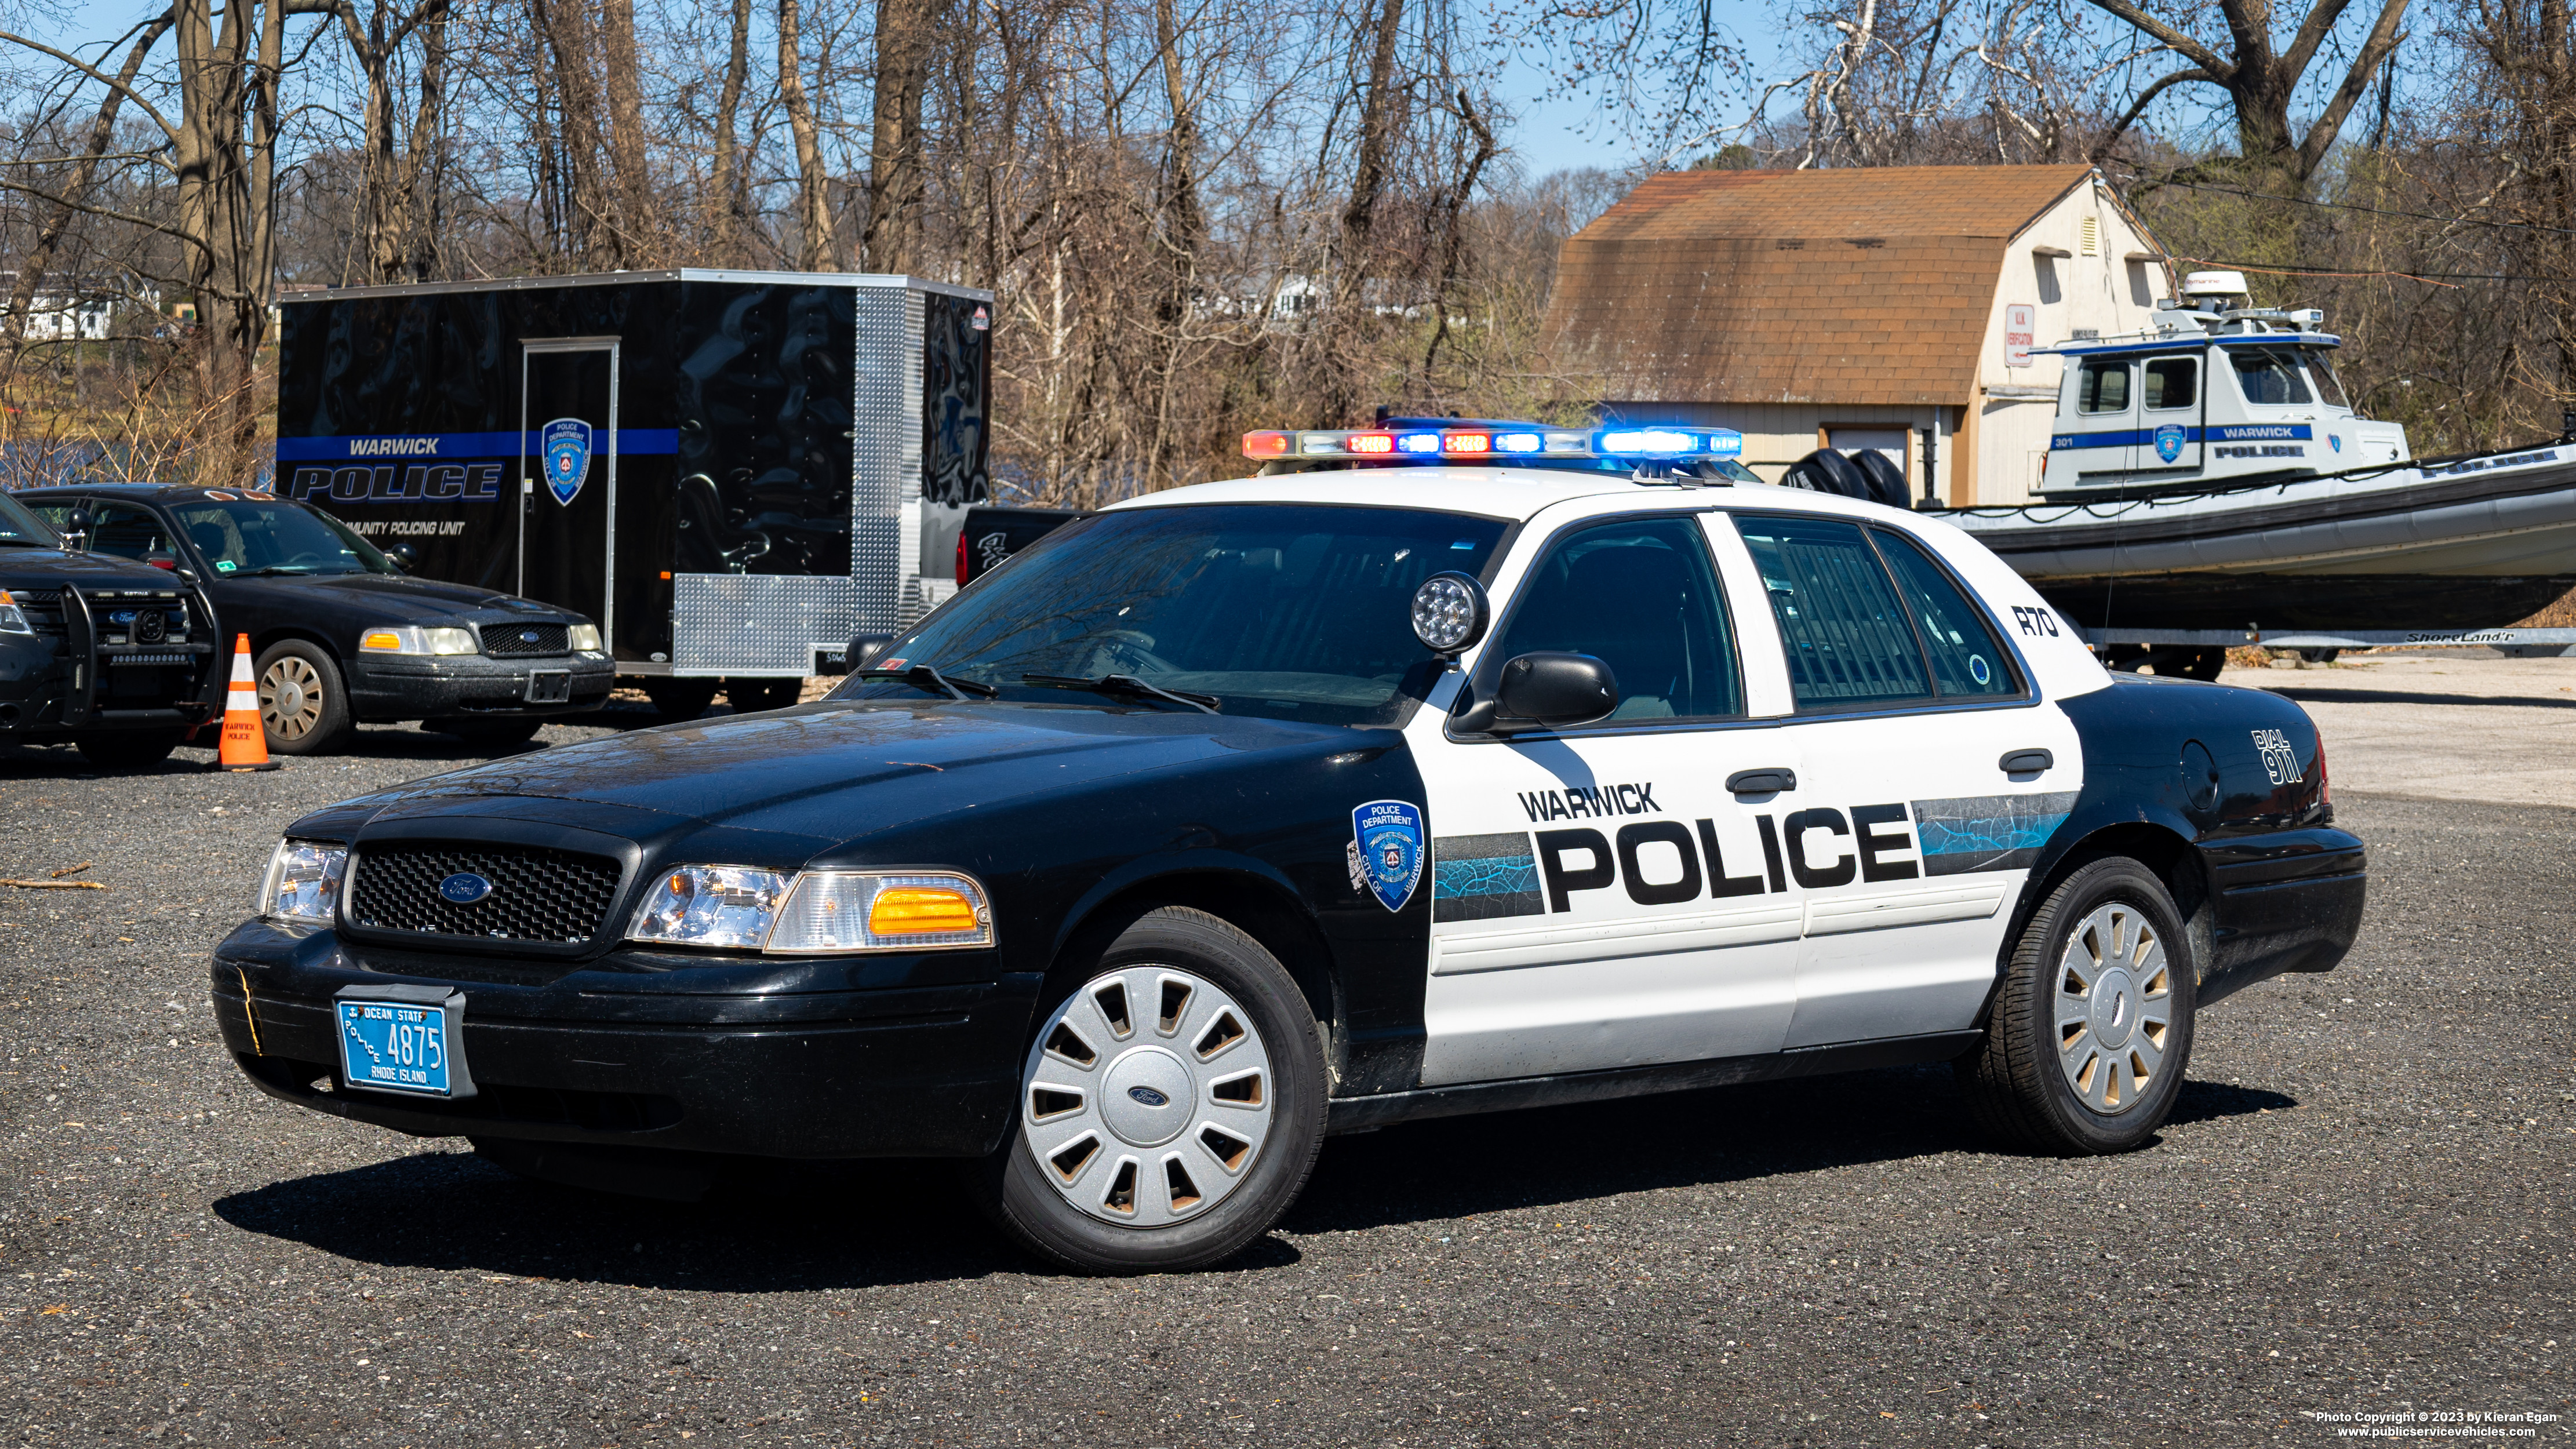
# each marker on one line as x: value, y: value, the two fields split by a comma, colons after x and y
x: 2371, y: 210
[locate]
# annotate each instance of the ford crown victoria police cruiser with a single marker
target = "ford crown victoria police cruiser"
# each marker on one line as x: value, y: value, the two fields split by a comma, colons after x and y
x: 1553, y: 766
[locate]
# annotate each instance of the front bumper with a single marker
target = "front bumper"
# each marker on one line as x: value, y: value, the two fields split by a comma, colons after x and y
x: 142, y: 687
x: 844, y: 1057
x: 399, y: 687
x: 2287, y: 901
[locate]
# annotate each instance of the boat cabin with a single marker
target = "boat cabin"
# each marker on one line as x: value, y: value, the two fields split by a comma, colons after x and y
x: 2214, y: 390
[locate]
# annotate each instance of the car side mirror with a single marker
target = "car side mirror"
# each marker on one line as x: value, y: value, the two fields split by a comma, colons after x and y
x: 1542, y: 691
x: 187, y: 576
x: 76, y: 527
x: 404, y: 556
x: 863, y: 651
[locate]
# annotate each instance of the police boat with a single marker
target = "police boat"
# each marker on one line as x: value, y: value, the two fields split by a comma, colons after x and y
x: 2209, y: 472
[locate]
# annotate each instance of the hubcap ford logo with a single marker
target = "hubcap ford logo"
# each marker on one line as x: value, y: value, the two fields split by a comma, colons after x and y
x: 464, y: 888
x: 1148, y: 1096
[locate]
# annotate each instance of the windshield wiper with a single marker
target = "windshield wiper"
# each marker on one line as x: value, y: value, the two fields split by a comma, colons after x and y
x: 928, y: 679
x: 1125, y: 684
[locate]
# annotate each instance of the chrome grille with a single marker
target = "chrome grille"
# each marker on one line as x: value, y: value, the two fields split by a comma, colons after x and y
x: 537, y: 894
x: 506, y: 641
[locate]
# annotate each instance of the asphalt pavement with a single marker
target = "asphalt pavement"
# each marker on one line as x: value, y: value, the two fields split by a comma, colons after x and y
x: 2363, y: 1206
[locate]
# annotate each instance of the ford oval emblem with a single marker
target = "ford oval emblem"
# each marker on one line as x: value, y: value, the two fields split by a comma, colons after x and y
x: 527, y: 636
x: 464, y: 888
x: 1148, y: 1096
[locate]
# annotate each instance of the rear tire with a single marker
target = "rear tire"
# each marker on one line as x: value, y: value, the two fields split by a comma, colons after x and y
x: 752, y: 696
x: 303, y: 707
x: 1242, y: 1056
x: 2090, y: 1033
x: 127, y: 749
x: 679, y: 700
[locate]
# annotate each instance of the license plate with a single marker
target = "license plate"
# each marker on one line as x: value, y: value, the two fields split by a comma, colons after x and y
x: 550, y: 686
x: 395, y: 1046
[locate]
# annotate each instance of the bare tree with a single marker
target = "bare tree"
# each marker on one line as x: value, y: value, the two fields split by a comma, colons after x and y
x: 2261, y: 78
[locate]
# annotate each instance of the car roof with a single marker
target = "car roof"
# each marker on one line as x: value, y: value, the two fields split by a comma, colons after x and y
x: 139, y: 492
x: 1512, y: 494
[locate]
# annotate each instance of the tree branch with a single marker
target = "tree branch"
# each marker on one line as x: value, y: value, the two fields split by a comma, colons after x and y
x: 2138, y: 107
x: 94, y: 73
x: 2181, y: 44
x: 2382, y: 39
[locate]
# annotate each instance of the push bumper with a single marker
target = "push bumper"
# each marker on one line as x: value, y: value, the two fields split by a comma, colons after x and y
x: 2287, y: 901
x: 910, y: 1056
x: 383, y: 687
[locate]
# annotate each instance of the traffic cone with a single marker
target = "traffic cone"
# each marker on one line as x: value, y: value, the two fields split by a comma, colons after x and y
x: 245, y: 746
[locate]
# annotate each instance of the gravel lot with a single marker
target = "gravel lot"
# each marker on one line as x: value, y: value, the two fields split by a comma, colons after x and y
x: 2364, y: 1205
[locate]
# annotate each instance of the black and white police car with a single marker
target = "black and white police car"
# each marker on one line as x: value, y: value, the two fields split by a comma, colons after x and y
x: 1535, y: 765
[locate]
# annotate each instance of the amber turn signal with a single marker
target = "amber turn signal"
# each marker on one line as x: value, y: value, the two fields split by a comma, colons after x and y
x: 920, y: 911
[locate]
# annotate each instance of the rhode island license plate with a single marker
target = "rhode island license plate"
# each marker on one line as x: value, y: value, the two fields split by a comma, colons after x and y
x: 394, y: 1046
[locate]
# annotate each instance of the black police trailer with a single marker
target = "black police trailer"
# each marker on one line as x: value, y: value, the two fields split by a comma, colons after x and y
x: 733, y: 472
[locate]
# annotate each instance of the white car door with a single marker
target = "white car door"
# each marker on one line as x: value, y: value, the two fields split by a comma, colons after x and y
x: 1928, y: 771
x: 1598, y: 900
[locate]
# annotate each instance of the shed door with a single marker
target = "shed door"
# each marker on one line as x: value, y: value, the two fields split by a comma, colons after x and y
x: 568, y: 473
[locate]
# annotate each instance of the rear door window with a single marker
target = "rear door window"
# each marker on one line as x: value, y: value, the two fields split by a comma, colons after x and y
x: 1869, y: 619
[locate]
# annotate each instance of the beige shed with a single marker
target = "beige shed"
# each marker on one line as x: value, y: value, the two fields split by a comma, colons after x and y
x: 1889, y: 308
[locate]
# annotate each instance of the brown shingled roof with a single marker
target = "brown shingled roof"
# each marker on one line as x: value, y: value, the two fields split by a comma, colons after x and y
x: 1847, y: 286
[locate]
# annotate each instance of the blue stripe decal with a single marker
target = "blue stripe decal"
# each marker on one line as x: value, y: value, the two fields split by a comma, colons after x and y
x: 1987, y: 832
x: 2238, y: 433
x: 439, y: 447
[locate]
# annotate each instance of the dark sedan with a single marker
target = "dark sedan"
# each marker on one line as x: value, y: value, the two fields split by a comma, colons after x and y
x: 338, y: 632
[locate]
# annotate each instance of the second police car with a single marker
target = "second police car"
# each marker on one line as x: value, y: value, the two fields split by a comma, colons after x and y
x: 1556, y: 765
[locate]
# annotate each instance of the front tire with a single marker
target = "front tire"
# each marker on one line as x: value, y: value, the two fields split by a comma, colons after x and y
x: 2088, y: 1037
x: 303, y: 706
x: 1170, y: 1107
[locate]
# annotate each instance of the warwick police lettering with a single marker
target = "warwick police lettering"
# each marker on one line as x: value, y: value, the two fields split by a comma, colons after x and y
x: 386, y: 483
x: 1583, y: 800
x: 1582, y: 859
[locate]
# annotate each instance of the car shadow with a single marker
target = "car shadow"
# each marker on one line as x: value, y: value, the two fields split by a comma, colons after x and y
x: 862, y: 1224
x: 2405, y: 696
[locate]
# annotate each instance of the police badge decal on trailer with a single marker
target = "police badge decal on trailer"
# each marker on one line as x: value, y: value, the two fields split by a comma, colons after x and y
x: 1388, y: 837
x: 566, y: 445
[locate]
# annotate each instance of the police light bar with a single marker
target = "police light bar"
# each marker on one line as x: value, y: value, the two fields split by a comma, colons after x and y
x: 1449, y: 444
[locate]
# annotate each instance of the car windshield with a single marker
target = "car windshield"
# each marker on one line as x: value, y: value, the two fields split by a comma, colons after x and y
x: 245, y: 536
x: 19, y: 526
x: 1283, y: 611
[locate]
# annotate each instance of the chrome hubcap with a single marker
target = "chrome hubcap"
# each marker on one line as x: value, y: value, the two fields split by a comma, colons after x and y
x: 2114, y: 1008
x: 290, y: 698
x: 1147, y: 1096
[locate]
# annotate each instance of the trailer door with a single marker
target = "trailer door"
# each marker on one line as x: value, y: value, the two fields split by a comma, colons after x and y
x: 568, y: 473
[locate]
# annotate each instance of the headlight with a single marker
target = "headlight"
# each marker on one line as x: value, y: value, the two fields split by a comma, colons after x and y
x: 710, y: 905
x: 586, y: 636
x: 13, y: 620
x: 814, y: 912
x: 413, y: 640
x: 303, y: 881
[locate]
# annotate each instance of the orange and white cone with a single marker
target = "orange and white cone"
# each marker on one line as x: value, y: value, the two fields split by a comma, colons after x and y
x: 245, y: 744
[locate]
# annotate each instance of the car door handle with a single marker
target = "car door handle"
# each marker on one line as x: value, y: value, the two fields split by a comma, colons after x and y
x: 1762, y: 782
x: 2026, y: 762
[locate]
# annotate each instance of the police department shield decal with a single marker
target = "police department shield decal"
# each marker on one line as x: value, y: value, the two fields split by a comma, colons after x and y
x: 2169, y: 441
x: 1388, y: 834
x: 565, y: 443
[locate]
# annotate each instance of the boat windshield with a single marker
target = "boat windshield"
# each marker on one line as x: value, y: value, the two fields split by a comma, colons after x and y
x: 1282, y: 611
x: 2329, y: 387
x: 2269, y: 377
